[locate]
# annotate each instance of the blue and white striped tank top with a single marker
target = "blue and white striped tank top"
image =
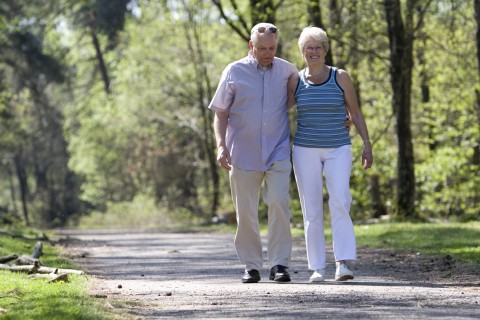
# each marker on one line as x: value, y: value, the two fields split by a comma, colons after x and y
x: 321, y: 114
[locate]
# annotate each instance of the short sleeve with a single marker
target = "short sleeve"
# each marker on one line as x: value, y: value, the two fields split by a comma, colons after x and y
x: 223, y: 98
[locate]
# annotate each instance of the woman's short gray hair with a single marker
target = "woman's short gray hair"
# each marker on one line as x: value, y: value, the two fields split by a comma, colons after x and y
x: 315, y: 33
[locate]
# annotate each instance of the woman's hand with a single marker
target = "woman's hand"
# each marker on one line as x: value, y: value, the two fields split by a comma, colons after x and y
x: 367, y: 155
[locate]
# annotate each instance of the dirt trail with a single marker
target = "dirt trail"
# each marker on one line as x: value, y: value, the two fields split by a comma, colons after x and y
x: 155, y: 275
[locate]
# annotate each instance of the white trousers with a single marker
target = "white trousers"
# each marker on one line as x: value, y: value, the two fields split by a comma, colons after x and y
x: 245, y: 186
x: 310, y: 164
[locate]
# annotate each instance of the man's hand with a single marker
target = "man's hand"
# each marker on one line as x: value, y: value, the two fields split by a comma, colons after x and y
x: 348, y: 123
x: 223, y: 158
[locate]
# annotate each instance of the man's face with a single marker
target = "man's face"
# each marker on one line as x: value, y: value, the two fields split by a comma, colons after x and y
x: 265, y: 49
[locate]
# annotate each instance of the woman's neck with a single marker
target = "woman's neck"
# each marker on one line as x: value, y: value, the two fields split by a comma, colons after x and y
x: 316, y: 71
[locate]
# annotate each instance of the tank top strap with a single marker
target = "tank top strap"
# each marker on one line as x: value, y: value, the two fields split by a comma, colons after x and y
x: 301, y: 74
x: 333, y: 75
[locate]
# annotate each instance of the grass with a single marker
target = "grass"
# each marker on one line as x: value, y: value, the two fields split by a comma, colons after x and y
x: 459, y: 240
x: 25, y: 298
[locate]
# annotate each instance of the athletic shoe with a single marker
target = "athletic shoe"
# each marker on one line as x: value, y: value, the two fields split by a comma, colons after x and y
x: 318, y: 275
x: 343, y: 273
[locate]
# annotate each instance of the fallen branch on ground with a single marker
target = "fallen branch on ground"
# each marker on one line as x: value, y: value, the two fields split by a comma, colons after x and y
x: 54, y: 276
x: 34, y: 268
x: 8, y: 258
x: 26, y: 261
x: 29, y: 268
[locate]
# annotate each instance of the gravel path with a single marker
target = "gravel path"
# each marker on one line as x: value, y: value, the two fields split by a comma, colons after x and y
x: 155, y: 275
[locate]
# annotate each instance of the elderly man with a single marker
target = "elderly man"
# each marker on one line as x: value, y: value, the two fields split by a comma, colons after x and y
x: 252, y: 134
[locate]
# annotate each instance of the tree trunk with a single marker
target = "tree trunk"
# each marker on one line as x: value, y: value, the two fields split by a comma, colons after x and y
x: 209, y: 137
x: 315, y: 19
x: 354, y: 58
x: 13, y: 193
x: 425, y: 89
x: 101, y: 61
x: 265, y: 11
x: 22, y: 181
x: 476, y: 151
x: 401, y: 64
x: 204, y: 95
x: 378, y: 207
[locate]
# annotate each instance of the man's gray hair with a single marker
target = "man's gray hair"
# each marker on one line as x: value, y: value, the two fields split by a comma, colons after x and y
x: 254, y: 32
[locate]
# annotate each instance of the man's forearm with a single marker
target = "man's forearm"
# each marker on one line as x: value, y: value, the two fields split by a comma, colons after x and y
x: 220, y: 123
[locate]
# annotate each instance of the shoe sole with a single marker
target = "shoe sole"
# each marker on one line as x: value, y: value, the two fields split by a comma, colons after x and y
x: 250, y: 281
x: 316, y: 280
x: 281, y: 279
x: 344, y: 278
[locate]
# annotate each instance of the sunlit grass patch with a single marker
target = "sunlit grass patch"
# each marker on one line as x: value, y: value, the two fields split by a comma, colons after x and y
x: 26, y: 298
x: 460, y: 240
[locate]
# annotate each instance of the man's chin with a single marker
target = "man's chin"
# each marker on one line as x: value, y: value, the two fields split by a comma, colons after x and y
x: 266, y: 63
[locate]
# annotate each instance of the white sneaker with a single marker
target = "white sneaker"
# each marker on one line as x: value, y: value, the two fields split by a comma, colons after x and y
x: 318, y: 275
x: 343, y: 273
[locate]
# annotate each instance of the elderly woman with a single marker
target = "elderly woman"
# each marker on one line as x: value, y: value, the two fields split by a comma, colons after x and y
x: 324, y: 96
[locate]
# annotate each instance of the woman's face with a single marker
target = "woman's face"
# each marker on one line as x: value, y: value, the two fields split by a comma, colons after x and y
x: 314, y: 52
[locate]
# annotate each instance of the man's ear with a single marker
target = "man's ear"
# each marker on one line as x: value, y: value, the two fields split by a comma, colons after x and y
x: 250, y: 43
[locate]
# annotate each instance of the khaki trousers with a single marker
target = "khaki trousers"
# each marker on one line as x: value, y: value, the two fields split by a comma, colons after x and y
x: 246, y: 186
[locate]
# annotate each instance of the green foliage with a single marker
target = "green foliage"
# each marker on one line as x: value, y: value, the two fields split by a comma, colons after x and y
x: 150, y: 135
x: 147, y: 136
x: 140, y: 213
x: 446, y: 130
x: 34, y: 164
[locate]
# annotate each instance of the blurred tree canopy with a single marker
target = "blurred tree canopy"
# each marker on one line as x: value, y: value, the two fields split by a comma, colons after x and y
x: 105, y: 102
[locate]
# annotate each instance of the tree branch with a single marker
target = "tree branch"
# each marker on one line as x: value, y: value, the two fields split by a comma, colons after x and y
x: 230, y: 22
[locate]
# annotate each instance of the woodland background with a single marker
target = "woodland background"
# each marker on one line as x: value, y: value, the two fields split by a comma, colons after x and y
x: 103, y: 104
